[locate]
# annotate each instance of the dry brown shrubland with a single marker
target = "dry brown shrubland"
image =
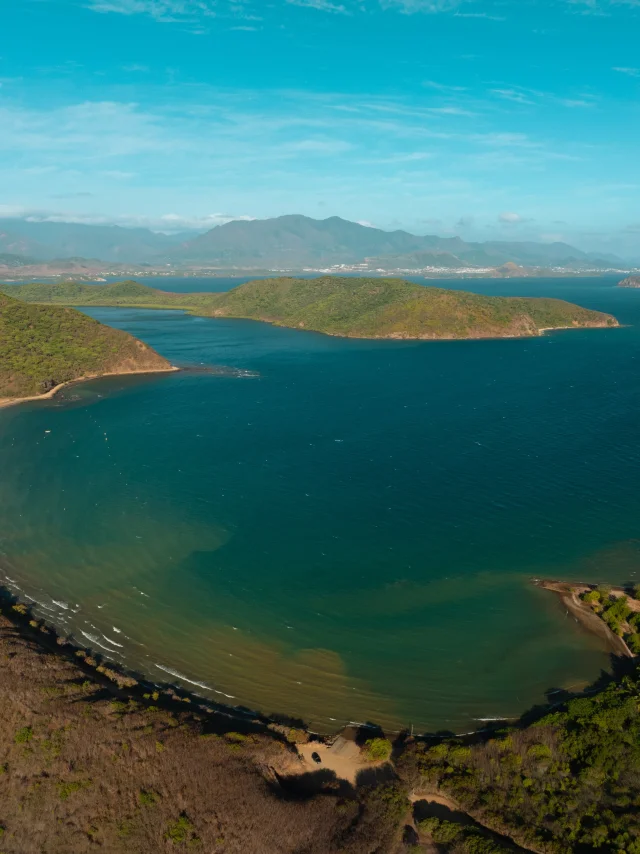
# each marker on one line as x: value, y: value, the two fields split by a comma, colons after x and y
x: 87, y: 767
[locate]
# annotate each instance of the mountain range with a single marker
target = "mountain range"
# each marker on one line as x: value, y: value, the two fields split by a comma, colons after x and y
x: 291, y: 242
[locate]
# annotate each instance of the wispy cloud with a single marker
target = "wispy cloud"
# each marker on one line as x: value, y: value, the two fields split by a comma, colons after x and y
x: 512, y: 95
x: 486, y: 15
x: 161, y: 10
x: 175, y: 11
x: 168, y: 223
x: 512, y: 218
x: 443, y: 87
x: 534, y: 97
x: 191, y: 11
x: 410, y: 7
x: 320, y: 5
x: 631, y: 72
x: 575, y: 102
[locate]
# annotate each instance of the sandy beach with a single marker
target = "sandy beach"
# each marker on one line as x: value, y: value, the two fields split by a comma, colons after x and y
x: 14, y: 401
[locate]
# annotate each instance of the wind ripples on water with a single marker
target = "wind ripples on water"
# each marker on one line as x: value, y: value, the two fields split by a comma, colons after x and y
x: 352, y: 534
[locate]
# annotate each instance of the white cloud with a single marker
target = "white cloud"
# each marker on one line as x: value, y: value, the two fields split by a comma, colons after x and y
x: 161, y: 10
x: 534, y: 97
x: 318, y: 146
x: 321, y: 5
x: 511, y: 218
x: 173, y: 11
x: 484, y: 15
x: 167, y: 223
x: 191, y: 11
x: 410, y: 7
x: 443, y: 87
x: 631, y: 72
x: 512, y: 95
x: 578, y: 102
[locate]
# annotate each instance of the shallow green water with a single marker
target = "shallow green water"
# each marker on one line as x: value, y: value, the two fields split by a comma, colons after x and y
x: 350, y: 534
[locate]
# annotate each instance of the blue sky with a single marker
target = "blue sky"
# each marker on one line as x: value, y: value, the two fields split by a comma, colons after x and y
x: 486, y: 118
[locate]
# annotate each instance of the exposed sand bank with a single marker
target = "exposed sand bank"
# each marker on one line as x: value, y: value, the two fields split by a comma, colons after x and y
x: 14, y: 401
x: 570, y: 597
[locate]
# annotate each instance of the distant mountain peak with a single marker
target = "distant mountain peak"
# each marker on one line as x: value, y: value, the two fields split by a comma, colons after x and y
x: 289, y: 242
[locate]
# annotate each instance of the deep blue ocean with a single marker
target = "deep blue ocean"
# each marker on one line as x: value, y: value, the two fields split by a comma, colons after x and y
x: 338, y: 529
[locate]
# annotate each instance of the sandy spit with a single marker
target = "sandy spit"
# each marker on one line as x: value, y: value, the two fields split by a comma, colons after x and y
x: 14, y: 401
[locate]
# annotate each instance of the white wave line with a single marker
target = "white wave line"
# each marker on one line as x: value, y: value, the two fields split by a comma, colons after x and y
x: 108, y: 640
x: 95, y: 640
x: 192, y: 681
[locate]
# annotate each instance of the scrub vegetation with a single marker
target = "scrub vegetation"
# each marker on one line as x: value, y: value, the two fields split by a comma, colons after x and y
x: 44, y: 346
x: 344, y: 306
x: 394, y: 308
x: 87, y: 766
x: 91, y: 760
x: 616, y: 611
x: 568, y: 783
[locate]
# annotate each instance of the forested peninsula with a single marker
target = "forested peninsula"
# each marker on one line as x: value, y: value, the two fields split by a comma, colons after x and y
x: 344, y: 306
x: 42, y: 347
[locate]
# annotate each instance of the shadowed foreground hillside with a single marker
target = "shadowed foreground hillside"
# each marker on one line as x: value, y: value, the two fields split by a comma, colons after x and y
x: 92, y: 760
x: 86, y: 767
x: 44, y: 346
x: 349, y: 306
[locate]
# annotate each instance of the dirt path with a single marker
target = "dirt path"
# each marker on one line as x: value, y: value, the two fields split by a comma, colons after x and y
x: 460, y: 816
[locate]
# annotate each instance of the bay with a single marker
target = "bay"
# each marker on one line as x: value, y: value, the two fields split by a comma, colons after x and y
x: 337, y: 529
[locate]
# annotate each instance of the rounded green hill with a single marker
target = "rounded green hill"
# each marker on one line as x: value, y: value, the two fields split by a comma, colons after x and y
x: 347, y: 306
x: 42, y: 347
x: 395, y: 308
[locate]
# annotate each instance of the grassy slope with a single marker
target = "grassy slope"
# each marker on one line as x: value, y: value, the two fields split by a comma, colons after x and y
x: 41, y: 346
x: 355, y: 307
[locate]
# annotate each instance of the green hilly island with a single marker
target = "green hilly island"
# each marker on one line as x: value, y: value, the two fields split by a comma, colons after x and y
x: 44, y: 346
x: 344, y: 306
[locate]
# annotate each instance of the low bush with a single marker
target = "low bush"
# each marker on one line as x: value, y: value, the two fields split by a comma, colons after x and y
x: 377, y: 750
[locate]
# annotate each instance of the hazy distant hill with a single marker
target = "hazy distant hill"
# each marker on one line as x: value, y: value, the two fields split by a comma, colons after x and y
x: 47, y: 240
x: 291, y: 242
x: 287, y: 242
x: 13, y: 261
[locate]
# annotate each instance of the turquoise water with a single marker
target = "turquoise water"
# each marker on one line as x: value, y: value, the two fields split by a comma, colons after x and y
x: 337, y: 529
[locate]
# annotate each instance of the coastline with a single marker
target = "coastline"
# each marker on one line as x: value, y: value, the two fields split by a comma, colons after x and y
x: 23, y: 614
x: 117, y: 677
x: 569, y: 596
x: 91, y: 756
x: 5, y: 402
x: 399, y: 336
